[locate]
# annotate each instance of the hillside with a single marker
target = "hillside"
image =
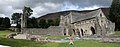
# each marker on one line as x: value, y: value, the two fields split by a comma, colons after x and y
x: 58, y: 14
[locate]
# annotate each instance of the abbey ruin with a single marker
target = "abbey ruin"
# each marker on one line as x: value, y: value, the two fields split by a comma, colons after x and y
x: 83, y: 23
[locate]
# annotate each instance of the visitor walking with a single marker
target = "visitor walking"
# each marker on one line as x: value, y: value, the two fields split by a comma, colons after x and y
x: 71, y: 40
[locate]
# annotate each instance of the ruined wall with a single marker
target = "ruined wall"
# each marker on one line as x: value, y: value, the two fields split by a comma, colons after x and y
x: 86, y: 27
x: 106, y: 25
x: 53, y: 31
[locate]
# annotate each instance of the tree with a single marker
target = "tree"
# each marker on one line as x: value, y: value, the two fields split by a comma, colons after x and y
x: 27, y: 11
x: 43, y: 23
x: 115, y: 13
x: 5, y: 23
x: 57, y: 21
x: 32, y: 22
x: 16, y: 18
x: 1, y: 20
x: 50, y: 22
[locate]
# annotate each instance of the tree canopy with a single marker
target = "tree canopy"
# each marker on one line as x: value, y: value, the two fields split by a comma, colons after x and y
x: 5, y: 22
x: 115, y: 13
x: 16, y: 18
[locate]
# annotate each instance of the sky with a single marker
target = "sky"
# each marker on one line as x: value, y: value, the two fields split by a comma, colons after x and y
x: 42, y: 7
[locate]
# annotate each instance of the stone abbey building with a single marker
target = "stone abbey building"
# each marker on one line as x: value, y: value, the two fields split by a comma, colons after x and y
x: 93, y: 23
x: 82, y: 23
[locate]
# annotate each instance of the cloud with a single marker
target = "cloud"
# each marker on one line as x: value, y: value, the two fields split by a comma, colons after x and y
x: 42, y: 7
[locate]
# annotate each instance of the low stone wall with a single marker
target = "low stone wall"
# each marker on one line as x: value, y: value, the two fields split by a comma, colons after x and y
x: 53, y: 31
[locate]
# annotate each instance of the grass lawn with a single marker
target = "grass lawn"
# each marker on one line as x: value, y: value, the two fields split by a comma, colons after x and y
x: 27, y: 43
x: 117, y: 33
x: 84, y: 43
x: 3, y: 33
x: 79, y: 43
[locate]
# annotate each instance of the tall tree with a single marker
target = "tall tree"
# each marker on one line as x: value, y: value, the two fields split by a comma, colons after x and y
x: 115, y: 13
x: 16, y: 18
x: 27, y: 11
x: 6, y: 22
x: 43, y: 23
x: 1, y: 20
x: 32, y: 22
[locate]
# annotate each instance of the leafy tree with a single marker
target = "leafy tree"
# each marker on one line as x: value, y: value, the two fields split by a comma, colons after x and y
x: 32, y: 22
x: 43, y: 23
x: 5, y: 22
x: 115, y: 13
x: 16, y: 18
x: 57, y: 21
x: 27, y: 11
x: 1, y: 20
x: 50, y: 22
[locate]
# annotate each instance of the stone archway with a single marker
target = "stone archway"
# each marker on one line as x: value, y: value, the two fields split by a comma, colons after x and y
x: 78, y: 32
x: 74, y: 32
x: 82, y: 32
x: 64, y: 31
x: 93, y: 30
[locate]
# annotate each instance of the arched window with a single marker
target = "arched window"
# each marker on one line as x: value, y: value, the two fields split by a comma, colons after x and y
x: 82, y: 32
x: 93, y: 30
x: 100, y: 15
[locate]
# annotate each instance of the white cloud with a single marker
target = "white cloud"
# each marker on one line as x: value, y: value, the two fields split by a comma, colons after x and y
x: 2, y: 15
x: 52, y: 5
x: 41, y: 7
x: 90, y: 8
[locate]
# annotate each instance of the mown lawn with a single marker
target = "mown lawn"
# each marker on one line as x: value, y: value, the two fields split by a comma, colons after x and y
x: 27, y: 43
x: 79, y: 43
x: 84, y: 43
x: 117, y: 33
x: 4, y: 33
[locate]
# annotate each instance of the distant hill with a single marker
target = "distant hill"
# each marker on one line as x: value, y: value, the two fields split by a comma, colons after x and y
x: 58, y: 14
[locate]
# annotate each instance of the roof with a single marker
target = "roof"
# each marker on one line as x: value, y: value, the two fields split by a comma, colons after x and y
x: 87, y: 15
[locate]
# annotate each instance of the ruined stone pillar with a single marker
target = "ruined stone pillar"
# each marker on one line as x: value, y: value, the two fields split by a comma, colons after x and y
x: 23, y: 20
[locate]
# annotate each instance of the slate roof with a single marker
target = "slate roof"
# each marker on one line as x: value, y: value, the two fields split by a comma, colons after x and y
x: 83, y: 15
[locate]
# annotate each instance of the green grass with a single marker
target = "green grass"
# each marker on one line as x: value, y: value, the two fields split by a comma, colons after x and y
x: 3, y: 33
x: 117, y: 33
x: 84, y: 43
x: 79, y: 43
x: 27, y: 43
x: 20, y: 43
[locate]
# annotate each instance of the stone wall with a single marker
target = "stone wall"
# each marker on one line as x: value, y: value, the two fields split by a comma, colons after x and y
x: 53, y: 31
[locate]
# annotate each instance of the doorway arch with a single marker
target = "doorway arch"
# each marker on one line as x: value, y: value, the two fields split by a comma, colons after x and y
x: 78, y: 32
x: 64, y: 31
x: 93, y: 30
x: 82, y: 32
x: 74, y: 31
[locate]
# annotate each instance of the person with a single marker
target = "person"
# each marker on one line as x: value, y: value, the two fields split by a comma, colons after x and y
x: 71, y: 41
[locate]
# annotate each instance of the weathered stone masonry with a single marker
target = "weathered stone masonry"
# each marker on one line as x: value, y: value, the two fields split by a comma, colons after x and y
x: 53, y: 30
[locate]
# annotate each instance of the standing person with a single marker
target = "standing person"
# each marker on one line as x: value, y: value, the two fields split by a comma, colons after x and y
x: 71, y: 41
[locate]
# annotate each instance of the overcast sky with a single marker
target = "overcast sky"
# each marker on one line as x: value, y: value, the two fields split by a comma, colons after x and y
x: 42, y: 7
